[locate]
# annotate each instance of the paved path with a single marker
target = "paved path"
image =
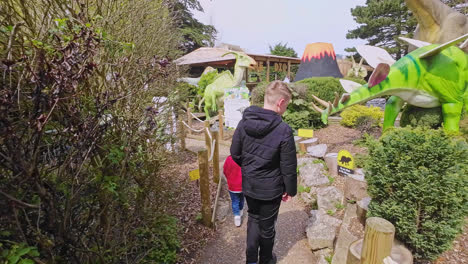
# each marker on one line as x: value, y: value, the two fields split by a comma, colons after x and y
x: 228, y: 247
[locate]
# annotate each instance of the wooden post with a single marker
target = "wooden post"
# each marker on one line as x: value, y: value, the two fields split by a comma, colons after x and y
x: 189, y: 119
x: 216, y: 171
x: 268, y: 70
x: 207, y: 137
x: 221, y: 124
x: 181, y: 132
x: 289, y: 71
x: 378, y: 240
x: 204, y: 187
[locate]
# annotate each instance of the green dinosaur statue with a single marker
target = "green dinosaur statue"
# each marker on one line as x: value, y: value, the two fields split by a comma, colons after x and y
x: 214, y: 92
x: 431, y: 76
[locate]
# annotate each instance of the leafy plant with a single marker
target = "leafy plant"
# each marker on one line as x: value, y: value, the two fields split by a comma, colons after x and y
x: 421, y: 117
x: 331, y: 180
x: 418, y: 180
x: 330, y: 212
x: 205, y: 80
x: 17, y: 253
x: 329, y: 259
x: 360, y: 115
x: 339, y: 206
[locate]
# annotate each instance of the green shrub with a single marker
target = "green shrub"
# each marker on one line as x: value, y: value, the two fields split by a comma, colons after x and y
x: 418, y: 180
x: 258, y: 94
x: 160, y: 240
x: 357, y: 115
x: 422, y: 117
x: 205, y: 80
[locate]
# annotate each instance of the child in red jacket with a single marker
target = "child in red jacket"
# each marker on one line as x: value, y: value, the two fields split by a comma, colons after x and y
x: 233, y: 174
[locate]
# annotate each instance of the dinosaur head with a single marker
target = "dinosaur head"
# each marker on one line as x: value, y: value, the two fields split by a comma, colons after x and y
x: 243, y: 60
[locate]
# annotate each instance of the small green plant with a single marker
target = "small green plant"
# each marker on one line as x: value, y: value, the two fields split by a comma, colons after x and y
x: 319, y: 161
x: 331, y: 212
x: 301, y: 189
x: 331, y: 179
x: 351, y: 201
x: 199, y: 217
x: 329, y: 259
x: 339, y: 206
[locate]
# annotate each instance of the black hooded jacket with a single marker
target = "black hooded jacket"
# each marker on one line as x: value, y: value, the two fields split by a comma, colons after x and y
x: 263, y: 145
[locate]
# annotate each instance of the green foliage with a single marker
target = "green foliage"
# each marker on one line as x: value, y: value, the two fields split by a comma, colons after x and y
x: 205, y: 80
x: 160, y: 240
x: 381, y: 21
x: 301, y: 189
x: 330, y: 212
x: 329, y: 259
x: 418, y: 180
x: 421, y: 117
x: 357, y: 115
x: 281, y: 49
x: 195, y: 34
x: 17, y: 253
x: 331, y: 180
x: 339, y: 206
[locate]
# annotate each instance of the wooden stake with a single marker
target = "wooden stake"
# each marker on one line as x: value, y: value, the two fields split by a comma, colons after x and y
x: 181, y: 133
x: 189, y: 119
x: 204, y: 187
x: 221, y: 124
x: 268, y: 70
x: 207, y: 137
x: 378, y: 240
x: 216, y: 171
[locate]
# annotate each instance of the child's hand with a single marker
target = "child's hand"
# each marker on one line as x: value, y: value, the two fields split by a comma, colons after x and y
x: 286, y: 197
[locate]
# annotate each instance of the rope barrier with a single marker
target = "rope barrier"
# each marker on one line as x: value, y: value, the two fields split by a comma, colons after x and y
x: 195, y: 130
x: 196, y: 117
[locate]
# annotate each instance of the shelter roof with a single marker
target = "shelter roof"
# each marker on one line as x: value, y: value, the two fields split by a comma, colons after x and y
x: 214, y: 57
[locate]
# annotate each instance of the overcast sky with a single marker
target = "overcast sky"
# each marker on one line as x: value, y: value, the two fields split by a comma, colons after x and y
x: 255, y: 24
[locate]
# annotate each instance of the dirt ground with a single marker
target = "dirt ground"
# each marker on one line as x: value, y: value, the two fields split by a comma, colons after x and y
x: 227, y: 243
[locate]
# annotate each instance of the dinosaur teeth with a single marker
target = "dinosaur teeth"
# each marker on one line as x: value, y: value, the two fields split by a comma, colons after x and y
x: 337, y: 99
x: 322, y: 102
x: 345, y: 97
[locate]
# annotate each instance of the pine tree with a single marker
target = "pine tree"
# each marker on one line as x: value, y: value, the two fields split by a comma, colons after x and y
x: 381, y: 23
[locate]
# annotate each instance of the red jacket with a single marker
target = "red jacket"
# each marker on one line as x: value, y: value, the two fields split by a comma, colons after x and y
x: 233, y: 174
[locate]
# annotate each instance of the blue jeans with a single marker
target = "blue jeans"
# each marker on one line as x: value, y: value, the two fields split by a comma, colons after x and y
x: 237, y: 202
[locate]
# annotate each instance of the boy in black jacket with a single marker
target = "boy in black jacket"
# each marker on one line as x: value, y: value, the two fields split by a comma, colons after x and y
x: 263, y: 146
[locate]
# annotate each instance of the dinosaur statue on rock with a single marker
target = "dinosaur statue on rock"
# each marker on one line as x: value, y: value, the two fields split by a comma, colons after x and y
x: 214, y: 92
x: 430, y: 76
x: 438, y: 23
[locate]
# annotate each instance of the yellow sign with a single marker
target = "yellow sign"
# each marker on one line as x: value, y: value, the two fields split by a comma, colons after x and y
x: 345, y: 162
x: 194, y: 175
x: 306, y: 133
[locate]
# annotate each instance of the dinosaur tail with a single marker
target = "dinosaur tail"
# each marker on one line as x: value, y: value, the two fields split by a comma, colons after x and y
x: 199, y: 104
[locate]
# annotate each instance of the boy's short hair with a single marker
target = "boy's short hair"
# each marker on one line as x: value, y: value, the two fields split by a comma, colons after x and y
x: 277, y: 90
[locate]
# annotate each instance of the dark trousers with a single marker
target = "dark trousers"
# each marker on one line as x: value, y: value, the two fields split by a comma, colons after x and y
x: 261, y: 228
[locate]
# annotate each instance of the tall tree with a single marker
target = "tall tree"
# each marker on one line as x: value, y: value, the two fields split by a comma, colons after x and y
x: 195, y: 34
x: 381, y: 23
x: 281, y: 49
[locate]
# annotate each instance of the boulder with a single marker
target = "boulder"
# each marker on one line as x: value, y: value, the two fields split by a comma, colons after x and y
x: 303, y: 161
x: 321, y: 230
x: 308, y: 198
x: 317, y: 151
x: 322, y: 254
x: 313, y: 175
x: 304, y: 144
x: 355, y: 187
x: 328, y: 198
x: 331, y: 159
x: 345, y: 238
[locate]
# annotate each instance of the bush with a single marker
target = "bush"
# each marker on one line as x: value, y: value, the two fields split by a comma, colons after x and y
x: 358, y: 115
x: 418, y: 180
x: 205, y: 80
x: 423, y: 117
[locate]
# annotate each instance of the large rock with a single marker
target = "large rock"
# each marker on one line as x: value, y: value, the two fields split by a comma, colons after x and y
x: 304, y: 144
x: 328, y: 198
x: 331, y: 159
x: 322, y: 255
x: 317, y: 151
x: 313, y: 175
x: 355, y: 187
x: 321, y: 230
x: 303, y: 161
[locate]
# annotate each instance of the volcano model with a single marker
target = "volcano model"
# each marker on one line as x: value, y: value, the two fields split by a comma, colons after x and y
x: 319, y: 60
